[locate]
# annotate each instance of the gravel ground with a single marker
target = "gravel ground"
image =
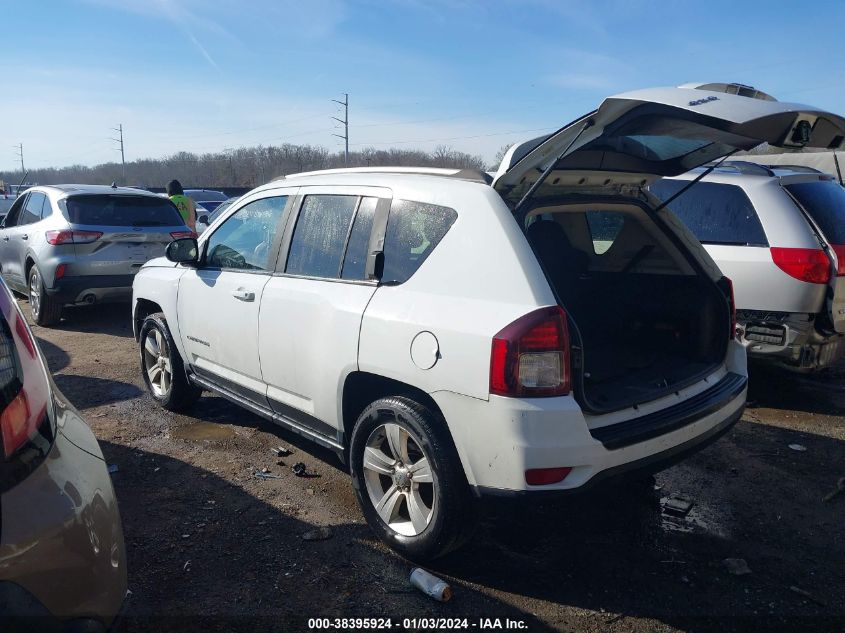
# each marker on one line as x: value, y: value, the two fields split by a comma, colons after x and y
x: 212, y: 547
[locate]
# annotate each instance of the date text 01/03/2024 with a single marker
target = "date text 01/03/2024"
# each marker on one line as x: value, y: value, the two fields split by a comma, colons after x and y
x: 434, y: 624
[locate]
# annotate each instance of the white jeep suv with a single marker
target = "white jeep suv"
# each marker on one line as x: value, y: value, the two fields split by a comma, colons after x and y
x: 452, y: 337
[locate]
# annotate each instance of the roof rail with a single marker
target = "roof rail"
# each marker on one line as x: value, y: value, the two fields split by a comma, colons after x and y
x: 804, y: 169
x: 744, y: 167
x: 474, y: 175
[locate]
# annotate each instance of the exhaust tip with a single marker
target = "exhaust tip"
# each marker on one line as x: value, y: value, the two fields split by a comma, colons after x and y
x: 90, y: 299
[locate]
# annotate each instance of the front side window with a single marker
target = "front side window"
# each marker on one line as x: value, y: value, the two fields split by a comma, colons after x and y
x: 32, y: 209
x: 319, y: 239
x: 11, y: 218
x: 714, y: 212
x: 414, y: 229
x: 245, y: 240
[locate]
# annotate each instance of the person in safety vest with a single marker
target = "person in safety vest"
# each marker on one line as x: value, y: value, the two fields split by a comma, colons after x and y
x: 187, y: 207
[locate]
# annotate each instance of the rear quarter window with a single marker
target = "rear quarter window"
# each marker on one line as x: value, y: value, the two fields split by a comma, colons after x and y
x: 824, y: 201
x: 121, y: 210
x: 715, y: 213
x: 414, y: 229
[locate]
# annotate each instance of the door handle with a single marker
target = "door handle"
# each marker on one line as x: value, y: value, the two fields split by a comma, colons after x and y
x: 24, y: 236
x: 5, y: 238
x: 243, y: 295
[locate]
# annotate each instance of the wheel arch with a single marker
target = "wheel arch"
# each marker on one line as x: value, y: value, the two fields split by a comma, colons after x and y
x: 143, y: 309
x: 361, y: 388
x: 28, y: 263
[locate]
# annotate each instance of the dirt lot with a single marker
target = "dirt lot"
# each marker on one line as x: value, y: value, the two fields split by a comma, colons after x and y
x: 213, y: 547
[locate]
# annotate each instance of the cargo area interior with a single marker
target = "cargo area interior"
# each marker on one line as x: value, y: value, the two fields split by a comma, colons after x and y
x: 650, y: 324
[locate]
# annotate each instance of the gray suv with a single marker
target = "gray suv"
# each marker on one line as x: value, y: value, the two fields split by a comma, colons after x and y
x: 67, y: 244
x: 779, y: 233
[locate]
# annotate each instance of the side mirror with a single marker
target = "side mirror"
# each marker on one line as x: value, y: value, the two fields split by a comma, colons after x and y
x: 203, y: 219
x: 183, y: 251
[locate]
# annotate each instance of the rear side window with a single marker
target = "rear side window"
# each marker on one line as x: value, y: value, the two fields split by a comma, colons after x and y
x: 32, y: 210
x: 319, y: 238
x: 715, y: 213
x: 120, y: 210
x: 824, y: 200
x: 414, y: 229
x: 357, y: 249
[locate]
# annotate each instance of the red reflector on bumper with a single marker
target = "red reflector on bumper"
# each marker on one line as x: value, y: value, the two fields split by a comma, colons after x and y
x: 546, y: 476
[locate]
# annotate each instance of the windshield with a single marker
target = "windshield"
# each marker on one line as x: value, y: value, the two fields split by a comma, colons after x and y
x: 824, y: 200
x: 121, y: 210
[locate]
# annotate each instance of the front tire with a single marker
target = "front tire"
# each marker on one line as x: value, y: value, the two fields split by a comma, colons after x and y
x: 409, y: 480
x: 45, y: 309
x: 162, y: 367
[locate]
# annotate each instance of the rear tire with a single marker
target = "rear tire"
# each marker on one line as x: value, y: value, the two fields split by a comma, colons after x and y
x: 45, y: 309
x: 162, y: 367
x: 411, y: 488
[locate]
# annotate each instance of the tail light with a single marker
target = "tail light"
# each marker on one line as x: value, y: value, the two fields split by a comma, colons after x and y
x: 840, y: 260
x: 67, y: 236
x: 805, y: 264
x: 24, y: 390
x: 727, y: 287
x: 178, y: 235
x: 530, y: 357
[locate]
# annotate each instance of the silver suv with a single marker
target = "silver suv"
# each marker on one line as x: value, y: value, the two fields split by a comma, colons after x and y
x: 65, y: 244
x: 779, y: 233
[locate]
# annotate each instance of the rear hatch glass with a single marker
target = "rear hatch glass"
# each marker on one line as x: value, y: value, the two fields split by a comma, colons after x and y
x: 715, y: 213
x: 122, y: 210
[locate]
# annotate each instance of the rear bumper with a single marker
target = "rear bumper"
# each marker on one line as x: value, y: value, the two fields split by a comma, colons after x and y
x: 101, y: 287
x: 499, y: 439
x: 793, y: 341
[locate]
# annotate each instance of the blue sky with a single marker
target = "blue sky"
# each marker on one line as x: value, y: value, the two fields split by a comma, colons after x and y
x: 206, y: 75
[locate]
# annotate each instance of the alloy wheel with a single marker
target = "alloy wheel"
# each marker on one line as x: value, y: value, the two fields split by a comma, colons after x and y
x: 399, y: 479
x: 35, y: 292
x: 157, y: 362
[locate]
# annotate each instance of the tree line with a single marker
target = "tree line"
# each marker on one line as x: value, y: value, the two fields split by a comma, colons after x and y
x: 244, y: 167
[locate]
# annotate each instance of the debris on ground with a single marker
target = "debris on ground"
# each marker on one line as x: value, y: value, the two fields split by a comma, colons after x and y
x: 266, y: 475
x: 798, y: 447
x: 281, y: 451
x: 678, y: 504
x: 431, y: 585
x: 186, y: 566
x: 807, y: 595
x: 113, y: 468
x: 840, y: 488
x: 317, y: 534
x: 299, y: 469
x: 736, y: 566
x: 265, y: 470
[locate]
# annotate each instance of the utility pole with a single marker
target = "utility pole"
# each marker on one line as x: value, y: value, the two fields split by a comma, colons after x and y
x: 345, y: 121
x: 19, y: 152
x: 119, y: 129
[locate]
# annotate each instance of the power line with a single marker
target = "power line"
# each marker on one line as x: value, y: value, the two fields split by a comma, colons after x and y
x: 19, y: 152
x: 456, y: 138
x: 119, y: 129
x: 345, y: 121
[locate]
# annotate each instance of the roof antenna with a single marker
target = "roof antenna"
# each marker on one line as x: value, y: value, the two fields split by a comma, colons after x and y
x: 114, y: 185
